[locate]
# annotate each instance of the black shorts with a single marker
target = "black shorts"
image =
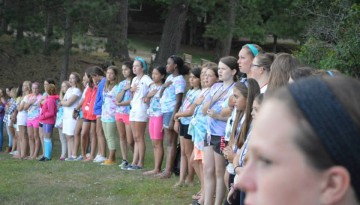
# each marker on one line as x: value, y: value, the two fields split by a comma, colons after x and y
x: 86, y: 120
x: 215, y: 142
x: 184, y: 131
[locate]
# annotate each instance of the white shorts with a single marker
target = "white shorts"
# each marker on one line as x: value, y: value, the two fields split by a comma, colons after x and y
x: 21, y: 118
x: 138, y: 115
x: 69, y: 125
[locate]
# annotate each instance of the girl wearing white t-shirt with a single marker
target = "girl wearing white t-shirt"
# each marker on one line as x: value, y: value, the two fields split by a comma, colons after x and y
x: 69, y: 103
x: 138, y: 115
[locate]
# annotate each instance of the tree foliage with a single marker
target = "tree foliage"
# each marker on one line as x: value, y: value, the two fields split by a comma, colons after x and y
x: 333, y: 39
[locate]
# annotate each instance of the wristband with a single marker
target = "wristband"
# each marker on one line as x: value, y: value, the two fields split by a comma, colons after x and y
x: 236, y: 167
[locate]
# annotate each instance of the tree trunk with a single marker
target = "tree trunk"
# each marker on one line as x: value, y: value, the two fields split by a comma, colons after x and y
x: 67, y: 47
x: 3, y: 21
x: 49, y: 31
x: 172, y: 31
x: 275, y: 43
x: 117, y: 32
x: 223, y: 45
x: 20, y: 20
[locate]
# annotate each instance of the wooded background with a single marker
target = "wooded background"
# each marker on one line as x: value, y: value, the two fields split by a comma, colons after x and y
x: 327, y: 31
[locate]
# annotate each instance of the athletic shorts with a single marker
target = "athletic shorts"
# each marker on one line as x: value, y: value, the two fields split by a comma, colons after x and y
x: 184, y: 131
x: 156, y: 128
x: 48, y: 128
x: 21, y: 118
x: 86, y: 120
x: 167, y: 118
x: 33, y: 123
x: 120, y: 117
x: 214, y: 141
x: 138, y: 115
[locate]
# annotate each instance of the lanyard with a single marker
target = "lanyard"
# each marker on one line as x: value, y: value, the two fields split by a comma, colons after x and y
x: 213, y: 101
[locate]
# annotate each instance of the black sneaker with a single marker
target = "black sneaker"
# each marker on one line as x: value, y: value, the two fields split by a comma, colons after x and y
x: 44, y: 159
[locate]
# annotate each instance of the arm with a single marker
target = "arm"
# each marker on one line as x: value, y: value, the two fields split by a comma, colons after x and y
x: 186, y: 113
x: 80, y: 104
x: 165, y: 85
x: 179, y: 97
x: 205, y: 108
x: 49, y: 110
x: 120, y: 96
x: 67, y: 103
x: 21, y: 106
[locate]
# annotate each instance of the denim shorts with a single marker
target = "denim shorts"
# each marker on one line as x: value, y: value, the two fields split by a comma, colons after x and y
x: 166, y: 119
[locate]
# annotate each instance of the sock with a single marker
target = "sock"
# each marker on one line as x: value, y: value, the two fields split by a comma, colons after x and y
x: 48, y: 147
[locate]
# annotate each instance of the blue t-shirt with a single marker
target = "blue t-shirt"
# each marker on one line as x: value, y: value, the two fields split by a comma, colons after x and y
x: 168, y: 98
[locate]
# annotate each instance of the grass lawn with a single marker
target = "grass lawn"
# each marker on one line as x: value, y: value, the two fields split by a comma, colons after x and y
x: 60, y: 182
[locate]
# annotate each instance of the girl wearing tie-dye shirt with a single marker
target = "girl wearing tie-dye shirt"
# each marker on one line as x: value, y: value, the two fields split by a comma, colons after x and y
x: 123, y: 99
x: 108, y: 113
x: 33, y: 113
x: 171, y: 99
x: 182, y: 120
x: 156, y: 118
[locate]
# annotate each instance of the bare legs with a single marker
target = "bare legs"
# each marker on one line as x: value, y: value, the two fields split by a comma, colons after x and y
x: 100, y: 138
x: 186, y: 170
x: 84, y: 136
x: 63, y: 144
x: 77, y: 136
x: 30, y: 131
x: 23, y: 141
x: 138, y: 129
x: 125, y: 137
x: 214, y: 170
x: 171, y: 137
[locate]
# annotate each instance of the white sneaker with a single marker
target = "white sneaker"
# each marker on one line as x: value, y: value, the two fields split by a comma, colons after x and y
x: 96, y: 158
x: 100, y: 159
x: 14, y: 152
x: 79, y: 158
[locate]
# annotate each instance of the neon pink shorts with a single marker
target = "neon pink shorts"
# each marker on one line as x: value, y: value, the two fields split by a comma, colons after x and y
x: 33, y: 123
x: 156, y: 128
x: 122, y: 118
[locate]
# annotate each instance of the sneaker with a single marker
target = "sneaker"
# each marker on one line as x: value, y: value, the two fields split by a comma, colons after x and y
x: 108, y: 162
x: 70, y: 159
x: 14, y: 152
x: 96, y: 158
x: 123, y: 164
x: 79, y: 158
x: 134, y: 167
x: 126, y: 167
x: 44, y: 159
x: 100, y: 159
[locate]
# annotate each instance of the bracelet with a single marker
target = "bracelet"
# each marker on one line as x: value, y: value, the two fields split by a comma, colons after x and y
x: 236, y: 167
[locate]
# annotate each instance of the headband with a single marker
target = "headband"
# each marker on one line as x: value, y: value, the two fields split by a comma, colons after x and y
x: 143, y: 63
x: 253, y: 49
x: 331, y: 74
x: 332, y: 124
